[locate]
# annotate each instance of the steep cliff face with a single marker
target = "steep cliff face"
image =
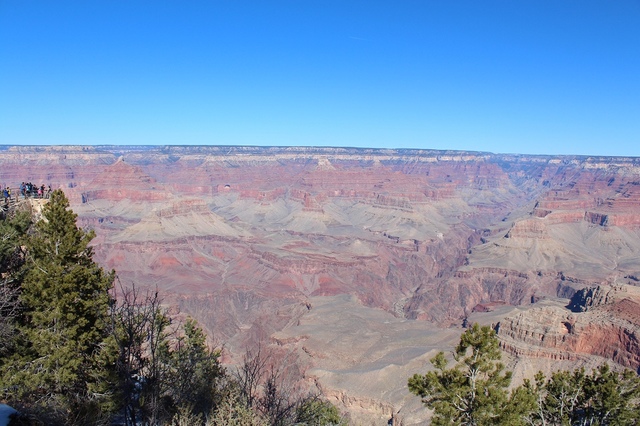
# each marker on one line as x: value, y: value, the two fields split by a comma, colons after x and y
x: 244, y: 238
x: 602, y: 322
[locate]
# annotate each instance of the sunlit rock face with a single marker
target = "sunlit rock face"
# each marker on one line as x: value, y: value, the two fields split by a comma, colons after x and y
x: 249, y: 239
x: 600, y: 323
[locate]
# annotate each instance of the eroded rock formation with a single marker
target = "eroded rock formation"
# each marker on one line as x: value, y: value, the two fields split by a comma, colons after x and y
x: 600, y: 322
x: 247, y: 238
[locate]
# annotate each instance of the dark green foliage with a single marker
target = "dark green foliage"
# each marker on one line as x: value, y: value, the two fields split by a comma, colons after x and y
x: 318, y: 412
x: 64, y: 299
x: 474, y: 392
x: 194, y: 371
x: 604, y: 397
x: 13, y: 228
x: 611, y: 398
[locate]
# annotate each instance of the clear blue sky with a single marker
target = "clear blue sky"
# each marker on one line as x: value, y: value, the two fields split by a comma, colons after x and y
x: 542, y: 77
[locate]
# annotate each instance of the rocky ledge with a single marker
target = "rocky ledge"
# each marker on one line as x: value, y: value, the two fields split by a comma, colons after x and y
x: 599, y: 322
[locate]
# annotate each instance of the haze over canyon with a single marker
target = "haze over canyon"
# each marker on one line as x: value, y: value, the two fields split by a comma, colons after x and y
x: 359, y: 264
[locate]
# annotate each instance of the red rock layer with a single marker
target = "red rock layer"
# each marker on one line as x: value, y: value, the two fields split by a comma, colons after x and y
x: 424, y: 234
x: 609, y: 327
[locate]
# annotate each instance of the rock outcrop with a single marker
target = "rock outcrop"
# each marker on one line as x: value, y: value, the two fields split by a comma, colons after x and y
x: 601, y: 322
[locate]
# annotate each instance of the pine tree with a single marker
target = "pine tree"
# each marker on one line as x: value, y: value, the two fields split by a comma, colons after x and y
x: 473, y: 392
x: 13, y: 228
x: 604, y: 397
x: 611, y: 398
x: 65, y: 297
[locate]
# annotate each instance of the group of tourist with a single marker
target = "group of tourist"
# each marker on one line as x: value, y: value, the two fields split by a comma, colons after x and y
x: 27, y: 189
x: 6, y: 192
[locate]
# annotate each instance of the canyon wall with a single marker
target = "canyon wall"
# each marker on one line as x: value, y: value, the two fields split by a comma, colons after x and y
x: 247, y: 239
x: 423, y: 234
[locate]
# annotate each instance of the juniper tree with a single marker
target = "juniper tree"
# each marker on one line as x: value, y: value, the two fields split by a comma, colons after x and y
x: 234, y: 411
x: 195, y: 370
x: 314, y: 411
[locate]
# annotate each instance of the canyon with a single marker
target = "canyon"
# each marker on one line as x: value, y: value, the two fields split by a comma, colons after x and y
x: 360, y: 264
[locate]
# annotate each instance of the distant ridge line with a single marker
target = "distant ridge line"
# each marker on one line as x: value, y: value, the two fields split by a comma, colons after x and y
x: 311, y: 151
